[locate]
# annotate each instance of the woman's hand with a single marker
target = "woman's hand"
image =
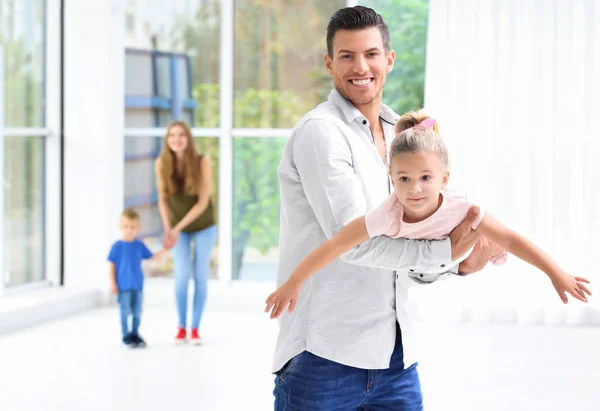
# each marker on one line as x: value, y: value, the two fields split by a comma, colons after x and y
x: 171, y: 237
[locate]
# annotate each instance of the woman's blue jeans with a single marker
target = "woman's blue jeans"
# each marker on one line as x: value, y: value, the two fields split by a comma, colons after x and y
x: 203, y: 243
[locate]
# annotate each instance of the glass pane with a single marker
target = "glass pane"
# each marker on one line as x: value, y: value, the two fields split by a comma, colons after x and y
x: 182, y: 76
x: 256, y: 207
x: 190, y: 28
x: 164, y: 118
x: 163, y: 74
x: 141, y: 192
x: 23, y: 210
x: 138, y: 74
x: 407, y: 20
x: 22, y: 27
x: 279, y: 74
x: 140, y: 117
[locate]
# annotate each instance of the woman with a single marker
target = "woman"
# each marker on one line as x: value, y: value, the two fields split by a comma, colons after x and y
x: 183, y: 178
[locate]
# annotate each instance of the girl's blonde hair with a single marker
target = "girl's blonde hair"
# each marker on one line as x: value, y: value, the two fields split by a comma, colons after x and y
x: 191, y: 164
x: 414, y: 134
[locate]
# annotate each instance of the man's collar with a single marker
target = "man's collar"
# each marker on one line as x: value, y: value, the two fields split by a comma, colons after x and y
x: 351, y: 113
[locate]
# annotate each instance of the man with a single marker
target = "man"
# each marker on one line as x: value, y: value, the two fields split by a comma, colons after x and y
x: 349, y: 345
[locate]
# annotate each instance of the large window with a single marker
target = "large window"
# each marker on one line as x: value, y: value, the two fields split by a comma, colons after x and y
x: 22, y: 41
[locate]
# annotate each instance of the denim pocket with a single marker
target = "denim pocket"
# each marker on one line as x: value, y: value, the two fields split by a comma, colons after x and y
x: 287, y: 367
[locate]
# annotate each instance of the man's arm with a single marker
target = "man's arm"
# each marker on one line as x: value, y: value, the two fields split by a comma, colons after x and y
x: 324, y: 162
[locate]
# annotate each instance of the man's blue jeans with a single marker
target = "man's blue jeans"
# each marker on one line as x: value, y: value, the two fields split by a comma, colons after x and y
x: 131, y: 305
x: 204, y: 242
x: 311, y: 383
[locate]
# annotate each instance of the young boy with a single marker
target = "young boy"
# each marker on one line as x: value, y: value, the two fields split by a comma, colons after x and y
x: 127, y: 279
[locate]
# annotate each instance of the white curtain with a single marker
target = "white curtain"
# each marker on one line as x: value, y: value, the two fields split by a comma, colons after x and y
x: 515, y: 85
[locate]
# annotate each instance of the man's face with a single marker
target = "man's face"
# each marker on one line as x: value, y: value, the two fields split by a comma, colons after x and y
x: 359, y: 64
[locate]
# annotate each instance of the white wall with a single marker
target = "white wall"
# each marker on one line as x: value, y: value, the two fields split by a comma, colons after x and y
x: 93, y: 140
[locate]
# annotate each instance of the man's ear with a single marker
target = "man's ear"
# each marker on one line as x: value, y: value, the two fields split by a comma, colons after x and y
x: 391, y: 56
x: 328, y: 63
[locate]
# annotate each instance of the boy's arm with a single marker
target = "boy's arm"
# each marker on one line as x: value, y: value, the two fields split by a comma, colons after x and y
x: 158, y: 255
x: 149, y: 255
x: 112, y: 272
x: 349, y: 237
x: 521, y: 247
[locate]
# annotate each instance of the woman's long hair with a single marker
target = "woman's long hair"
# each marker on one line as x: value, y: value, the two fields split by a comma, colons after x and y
x: 191, y: 164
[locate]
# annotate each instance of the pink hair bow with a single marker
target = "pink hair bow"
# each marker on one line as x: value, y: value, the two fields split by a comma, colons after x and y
x: 428, y: 122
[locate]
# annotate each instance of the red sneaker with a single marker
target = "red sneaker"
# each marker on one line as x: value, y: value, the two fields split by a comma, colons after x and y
x: 195, y: 338
x: 181, y: 335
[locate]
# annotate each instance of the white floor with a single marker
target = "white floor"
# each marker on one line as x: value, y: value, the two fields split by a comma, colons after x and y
x: 78, y: 364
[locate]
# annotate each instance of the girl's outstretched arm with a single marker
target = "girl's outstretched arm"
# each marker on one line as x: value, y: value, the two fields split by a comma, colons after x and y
x: 353, y: 234
x: 521, y: 247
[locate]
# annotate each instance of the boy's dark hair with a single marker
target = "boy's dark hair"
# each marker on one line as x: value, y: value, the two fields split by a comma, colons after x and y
x: 356, y: 18
x: 130, y: 214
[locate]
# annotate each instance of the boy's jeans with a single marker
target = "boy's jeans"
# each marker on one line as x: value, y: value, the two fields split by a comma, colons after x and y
x: 311, y: 383
x: 204, y: 241
x: 131, y: 304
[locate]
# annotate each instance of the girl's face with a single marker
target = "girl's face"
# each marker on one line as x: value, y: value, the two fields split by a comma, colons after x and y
x: 177, y: 139
x: 418, y: 179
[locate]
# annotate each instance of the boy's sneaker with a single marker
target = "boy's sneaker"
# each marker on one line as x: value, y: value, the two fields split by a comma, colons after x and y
x: 195, y: 338
x: 181, y: 336
x: 138, y: 341
x: 128, y: 340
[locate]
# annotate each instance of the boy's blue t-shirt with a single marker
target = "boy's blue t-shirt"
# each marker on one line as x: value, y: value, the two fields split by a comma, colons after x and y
x: 127, y: 258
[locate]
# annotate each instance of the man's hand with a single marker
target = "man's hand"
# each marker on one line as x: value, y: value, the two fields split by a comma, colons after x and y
x: 483, y: 251
x: 463, y: 237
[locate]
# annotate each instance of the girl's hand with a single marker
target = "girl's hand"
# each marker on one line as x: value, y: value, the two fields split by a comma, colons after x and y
x: 114, y: 289
x: 287, y: 293
x: 565, y: 282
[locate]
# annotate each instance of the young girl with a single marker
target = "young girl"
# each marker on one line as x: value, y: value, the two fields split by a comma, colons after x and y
x: 421, y: 208
x: 184, y: 177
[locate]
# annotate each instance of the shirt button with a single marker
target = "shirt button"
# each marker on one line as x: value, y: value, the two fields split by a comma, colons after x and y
x: 396, y: 276
x: 421, y: 275
x: 443, y: 265
x: 411, y: 270
x: 365, y: 122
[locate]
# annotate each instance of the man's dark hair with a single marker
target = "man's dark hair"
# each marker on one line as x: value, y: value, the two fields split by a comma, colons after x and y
x: 356, y: 18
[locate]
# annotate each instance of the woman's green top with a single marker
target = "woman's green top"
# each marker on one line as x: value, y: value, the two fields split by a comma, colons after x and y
x: 179, y: 205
